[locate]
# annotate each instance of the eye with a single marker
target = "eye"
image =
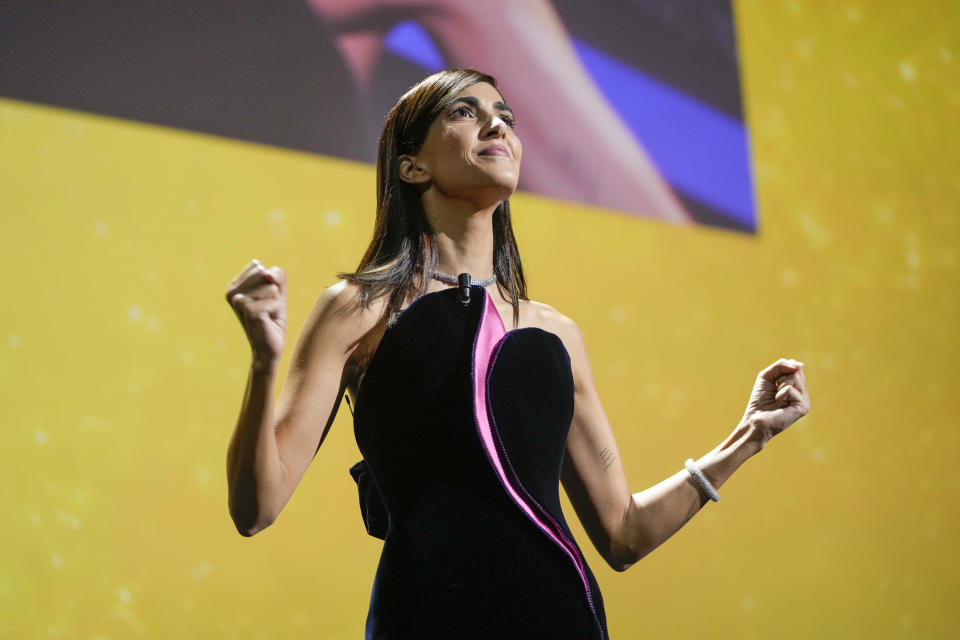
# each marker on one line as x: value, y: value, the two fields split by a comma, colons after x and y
x: 462, y: 111
x: 506, y: 117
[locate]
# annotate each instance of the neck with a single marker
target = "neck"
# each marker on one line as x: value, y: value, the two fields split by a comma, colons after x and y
x: 464, y: 236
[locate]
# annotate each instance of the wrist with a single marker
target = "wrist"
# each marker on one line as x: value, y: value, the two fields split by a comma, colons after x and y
x: 263, y: 363
x: 754, y: 437
x: 718, y: 465
x: 747, y: 437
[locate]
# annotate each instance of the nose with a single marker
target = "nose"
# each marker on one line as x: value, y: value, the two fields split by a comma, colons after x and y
x: 496, y: 128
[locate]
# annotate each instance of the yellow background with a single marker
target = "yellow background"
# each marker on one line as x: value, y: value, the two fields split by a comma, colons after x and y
x: 122, y: 367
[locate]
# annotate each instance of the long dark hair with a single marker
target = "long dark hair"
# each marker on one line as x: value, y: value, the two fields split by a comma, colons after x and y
x: 403, y: 250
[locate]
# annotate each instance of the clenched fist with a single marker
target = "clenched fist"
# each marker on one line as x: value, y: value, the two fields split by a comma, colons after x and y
x: 259, y: 297
x: 779, y: 398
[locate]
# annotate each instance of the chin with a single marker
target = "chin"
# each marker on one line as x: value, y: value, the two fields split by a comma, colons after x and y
x: 507, y: 184
x: 504, y: 191
x: 492, y: 192
x: 484, y: 190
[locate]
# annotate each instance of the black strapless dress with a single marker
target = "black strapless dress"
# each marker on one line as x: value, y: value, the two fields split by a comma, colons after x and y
x: 463, y: 426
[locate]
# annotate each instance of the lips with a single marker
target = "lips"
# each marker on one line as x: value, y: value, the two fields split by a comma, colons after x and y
x: 495, y: 150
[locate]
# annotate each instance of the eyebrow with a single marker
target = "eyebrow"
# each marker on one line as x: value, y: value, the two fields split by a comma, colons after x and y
x: 475, y: 102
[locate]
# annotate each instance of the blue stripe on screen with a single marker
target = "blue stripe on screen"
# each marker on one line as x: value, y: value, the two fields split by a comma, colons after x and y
x: 700, y: 150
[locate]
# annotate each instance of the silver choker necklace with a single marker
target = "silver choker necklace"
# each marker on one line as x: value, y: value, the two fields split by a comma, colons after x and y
x: 448, y: 279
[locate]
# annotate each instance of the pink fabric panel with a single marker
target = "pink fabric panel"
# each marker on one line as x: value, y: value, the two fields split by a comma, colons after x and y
x: 489, y: 336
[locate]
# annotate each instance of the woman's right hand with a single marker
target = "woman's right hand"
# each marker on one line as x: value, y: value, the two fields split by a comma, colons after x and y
x: 259, y: 297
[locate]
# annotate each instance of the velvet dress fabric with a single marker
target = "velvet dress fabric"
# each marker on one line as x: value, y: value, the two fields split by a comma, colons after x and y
x: 463, y: 426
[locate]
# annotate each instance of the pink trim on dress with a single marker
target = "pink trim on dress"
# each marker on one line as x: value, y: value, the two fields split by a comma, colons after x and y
x: 489, y: 337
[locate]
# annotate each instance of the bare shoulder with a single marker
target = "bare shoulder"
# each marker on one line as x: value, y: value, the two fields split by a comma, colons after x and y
x: 549, y: 319
x: 338, y: 314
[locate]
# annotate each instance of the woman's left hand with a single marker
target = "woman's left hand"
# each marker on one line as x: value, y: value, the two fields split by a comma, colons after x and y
x: 778, y: 400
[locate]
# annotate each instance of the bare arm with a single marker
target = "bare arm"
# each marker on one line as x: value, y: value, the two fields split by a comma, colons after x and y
x: 271, y: 448
x: 623, y: 527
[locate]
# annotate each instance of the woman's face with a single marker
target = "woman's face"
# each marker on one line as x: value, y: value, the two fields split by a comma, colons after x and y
x: 471, y: 150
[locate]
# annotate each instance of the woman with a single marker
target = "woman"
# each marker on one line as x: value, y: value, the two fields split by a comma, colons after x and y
x: 466, y: 427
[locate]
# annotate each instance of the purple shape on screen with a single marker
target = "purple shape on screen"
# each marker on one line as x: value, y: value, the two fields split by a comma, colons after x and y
x: 702, y: 152
x: 411, y: 41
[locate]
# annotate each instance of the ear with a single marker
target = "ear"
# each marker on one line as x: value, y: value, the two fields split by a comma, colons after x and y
x: 410, y: 171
